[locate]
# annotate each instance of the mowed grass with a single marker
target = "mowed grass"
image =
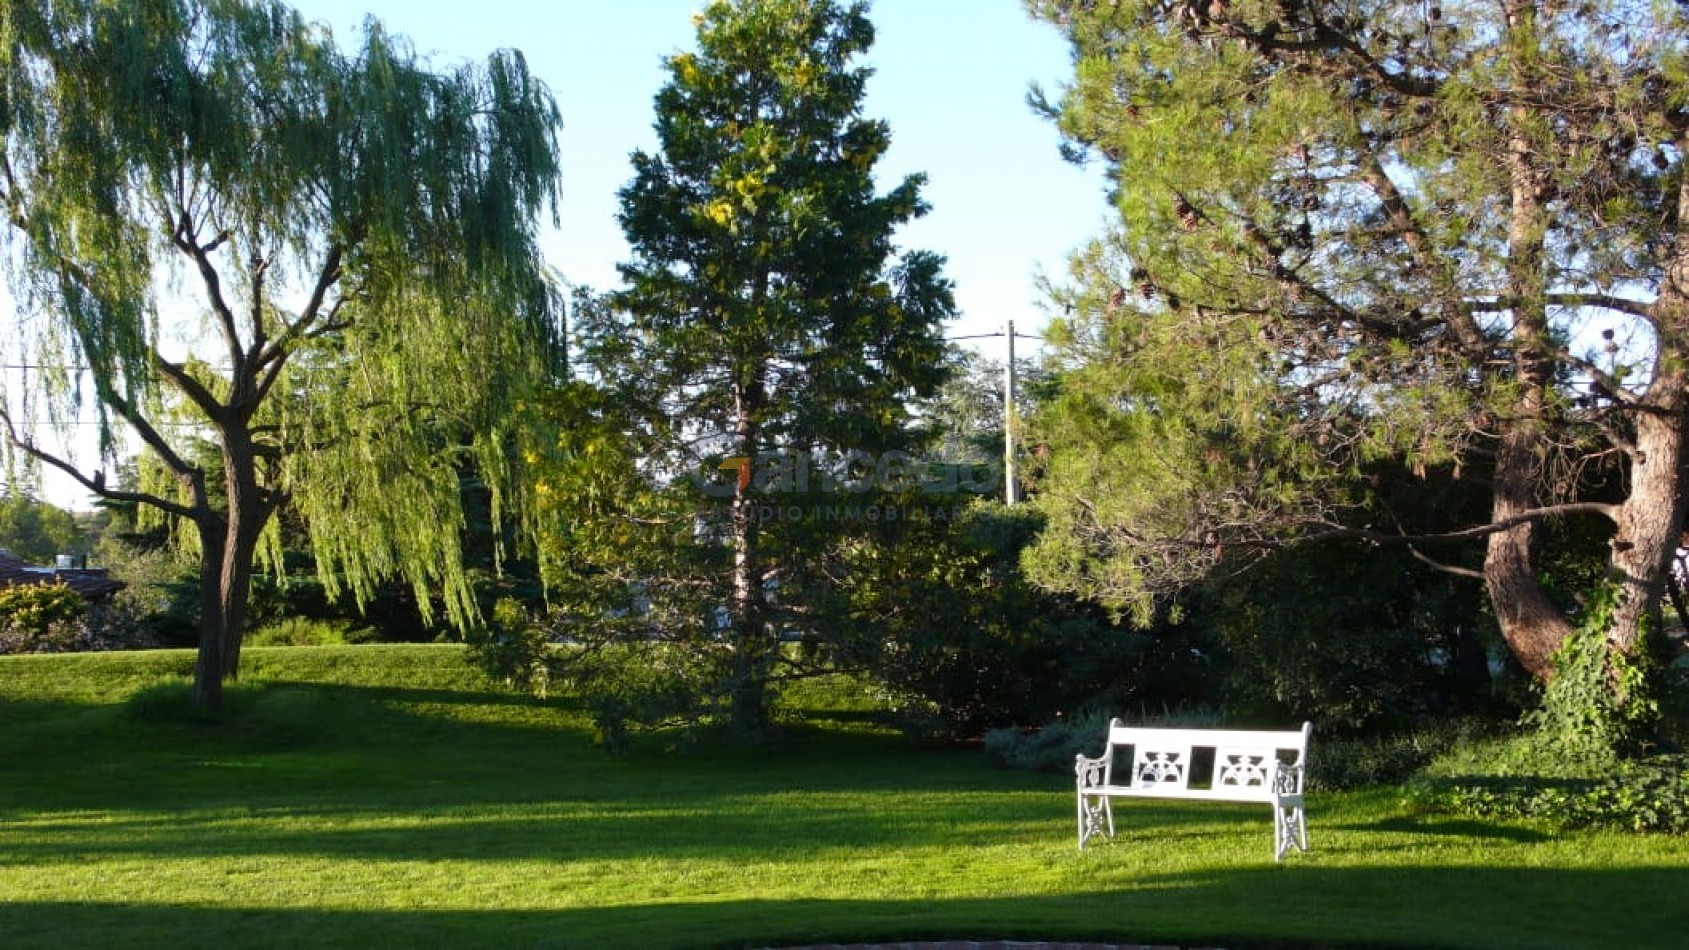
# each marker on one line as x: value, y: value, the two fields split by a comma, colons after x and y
x: 387, y: 796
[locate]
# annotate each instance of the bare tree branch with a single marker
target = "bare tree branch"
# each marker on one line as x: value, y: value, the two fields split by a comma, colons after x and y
x: 95, y: 484
x: 272, y: 355
x: 177, y: 376
x: 186, y: 240
x: 1635, y: 308
x: 1434, y: 564
x: 1604, y: 509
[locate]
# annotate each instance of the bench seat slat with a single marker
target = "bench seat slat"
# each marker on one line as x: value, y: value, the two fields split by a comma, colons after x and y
x: 1206, y: 738
x: 1252, y: 794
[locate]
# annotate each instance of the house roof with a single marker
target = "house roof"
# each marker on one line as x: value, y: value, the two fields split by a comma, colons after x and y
x: 91, y: 583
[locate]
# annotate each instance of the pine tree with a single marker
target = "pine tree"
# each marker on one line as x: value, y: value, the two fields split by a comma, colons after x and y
x: 766, y: 310
x: 1443, y: 233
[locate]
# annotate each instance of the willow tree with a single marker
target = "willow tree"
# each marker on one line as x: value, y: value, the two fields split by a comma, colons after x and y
x: 1446, y: 233
x: 766, y: 314
x: 354, y: 233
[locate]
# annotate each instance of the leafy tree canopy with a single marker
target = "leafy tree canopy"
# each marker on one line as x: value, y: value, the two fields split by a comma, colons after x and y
x: 355, y: 233
x: 35, y: 531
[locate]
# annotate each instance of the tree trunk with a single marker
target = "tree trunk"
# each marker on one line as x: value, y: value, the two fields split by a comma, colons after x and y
x: 1531, y: 623
x: 752, y: 651
x: 748, y: 701
x: 228, y: 545
x: 245, y: 523
x: 1650, y: 522
x: 208, y: 668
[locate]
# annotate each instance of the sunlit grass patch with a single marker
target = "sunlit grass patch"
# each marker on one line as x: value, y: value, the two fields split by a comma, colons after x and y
x: 378, y: 796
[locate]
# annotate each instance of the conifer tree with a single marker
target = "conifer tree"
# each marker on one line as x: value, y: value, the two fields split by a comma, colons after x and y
x: 766, y: 311
x: 1446, y: 233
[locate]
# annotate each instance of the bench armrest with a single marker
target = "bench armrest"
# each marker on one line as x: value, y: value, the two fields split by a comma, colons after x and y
x: 1091, y: 773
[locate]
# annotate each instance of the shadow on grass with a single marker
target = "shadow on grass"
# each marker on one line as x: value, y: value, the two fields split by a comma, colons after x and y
x: 1420, y: 907
x: 1452, y: 827
x: 433, y: 696
x: 682, y: 825
x: 356, y: 747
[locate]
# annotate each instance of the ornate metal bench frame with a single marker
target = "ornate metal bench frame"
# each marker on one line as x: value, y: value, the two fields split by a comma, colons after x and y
x: 1248, y: 766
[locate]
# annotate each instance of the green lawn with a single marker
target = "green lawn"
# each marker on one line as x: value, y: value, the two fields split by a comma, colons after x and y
x: 381, y: 796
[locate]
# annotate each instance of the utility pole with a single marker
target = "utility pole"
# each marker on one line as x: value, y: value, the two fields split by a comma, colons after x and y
x: 1011, y: 421
x: 1011, y: 492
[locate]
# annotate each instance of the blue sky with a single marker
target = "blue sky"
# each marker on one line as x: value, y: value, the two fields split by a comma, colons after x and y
x: 951, y: 78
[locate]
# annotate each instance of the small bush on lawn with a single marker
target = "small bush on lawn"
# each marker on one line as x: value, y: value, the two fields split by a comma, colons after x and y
x: 305, y: 632
x: 36, y: 606
x: 54, y: 619
x: 1049, y: 748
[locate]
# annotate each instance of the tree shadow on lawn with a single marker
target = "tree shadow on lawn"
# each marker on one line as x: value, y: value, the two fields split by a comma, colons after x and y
x: 321, y: 747
x: 1247, y: 909
x: 1452, y: 827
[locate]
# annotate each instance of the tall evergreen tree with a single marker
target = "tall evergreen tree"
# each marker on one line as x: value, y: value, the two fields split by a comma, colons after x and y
x: 359, y: 232
x: 1442, y: 232
x: 766, y: 310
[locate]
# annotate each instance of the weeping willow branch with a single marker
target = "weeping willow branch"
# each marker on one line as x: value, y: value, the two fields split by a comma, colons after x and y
x: 95, y: 483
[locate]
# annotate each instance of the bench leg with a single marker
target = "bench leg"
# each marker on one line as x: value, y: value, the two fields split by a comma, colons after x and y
x: 1096, y: 815
x: 1290, y: 827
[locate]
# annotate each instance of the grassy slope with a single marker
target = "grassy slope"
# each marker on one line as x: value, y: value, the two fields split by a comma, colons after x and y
x: 376, y: 796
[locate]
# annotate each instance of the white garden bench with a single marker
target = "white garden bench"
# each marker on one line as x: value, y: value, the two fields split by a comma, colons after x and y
x: 1225, y: 765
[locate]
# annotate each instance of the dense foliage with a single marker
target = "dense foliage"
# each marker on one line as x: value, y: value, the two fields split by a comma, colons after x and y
x: 34, y: 531
x: 1434, y: 234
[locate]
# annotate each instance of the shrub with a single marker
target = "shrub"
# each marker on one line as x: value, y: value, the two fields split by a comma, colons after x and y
x: 35, y: 607
x: 1531, y: 776
x: 1644, y: 795
x: 512, y: 649
x: 305, y: 632
x: 1050, y: 748
x: 163, y: 587
x: 1599, y: 707
x: 628, y: 687
x: 1358, y: 645
x: 106, y: 626
x: 961, y: 642
x: 625, y: 685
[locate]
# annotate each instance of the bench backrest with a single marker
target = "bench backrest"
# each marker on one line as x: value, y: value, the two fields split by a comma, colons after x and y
x: 1243, y: 761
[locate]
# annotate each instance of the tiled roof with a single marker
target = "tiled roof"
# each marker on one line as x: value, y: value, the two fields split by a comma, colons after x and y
x: 91, y: 583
